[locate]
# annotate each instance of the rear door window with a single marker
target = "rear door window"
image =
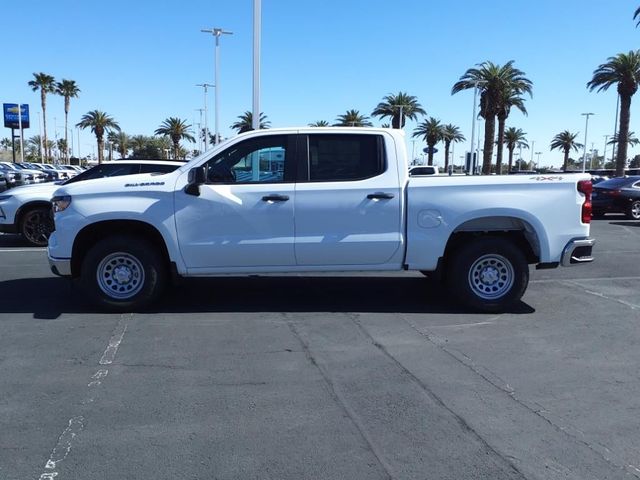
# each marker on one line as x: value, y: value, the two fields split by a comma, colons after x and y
x: 344, y: 157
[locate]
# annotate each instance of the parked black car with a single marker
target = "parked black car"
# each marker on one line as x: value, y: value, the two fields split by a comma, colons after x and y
x: 617, y: 195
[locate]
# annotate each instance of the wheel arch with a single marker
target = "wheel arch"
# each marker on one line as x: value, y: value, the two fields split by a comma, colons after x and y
x: 90, y: 234
x: 519, y: 231
x: 27, y: 207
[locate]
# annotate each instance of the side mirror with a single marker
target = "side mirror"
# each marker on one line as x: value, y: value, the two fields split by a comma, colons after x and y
x: 195, y: 178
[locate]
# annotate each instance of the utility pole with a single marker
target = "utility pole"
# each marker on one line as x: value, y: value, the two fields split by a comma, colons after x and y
x: 206, y: 127
x: 216, y: 32
x: 584, y: 154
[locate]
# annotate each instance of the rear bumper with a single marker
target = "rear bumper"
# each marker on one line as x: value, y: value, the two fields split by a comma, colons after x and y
x: 578, y: 251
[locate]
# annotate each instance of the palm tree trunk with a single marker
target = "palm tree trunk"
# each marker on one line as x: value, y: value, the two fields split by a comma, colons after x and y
x: 489, y: 136
x: 43, y: 101
x: 565, y: 164
x: 446, y: 155
x: 501, y: 125
x: 100, y: 147
x: 623, y: 134
x: 430, y: 155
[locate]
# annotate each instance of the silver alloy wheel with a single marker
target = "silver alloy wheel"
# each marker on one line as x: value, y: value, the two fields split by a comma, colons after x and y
x: 491, y: 276
x: 120, y: 275
x: 635, y: 210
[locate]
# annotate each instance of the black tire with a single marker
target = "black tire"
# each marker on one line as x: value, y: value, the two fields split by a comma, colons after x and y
x: 488, y: 274
x: 633, y: 210
x: 36, y: 225
x: 123, y: 273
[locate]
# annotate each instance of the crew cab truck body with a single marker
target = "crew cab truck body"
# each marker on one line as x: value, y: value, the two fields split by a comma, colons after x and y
x: 310, y: 200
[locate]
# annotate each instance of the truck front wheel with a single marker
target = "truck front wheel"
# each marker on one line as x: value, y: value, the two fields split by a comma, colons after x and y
x: 123, y: 273
x: 489, y: 274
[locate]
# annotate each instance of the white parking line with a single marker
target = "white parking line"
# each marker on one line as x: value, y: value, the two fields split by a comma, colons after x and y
x: 76, y: 424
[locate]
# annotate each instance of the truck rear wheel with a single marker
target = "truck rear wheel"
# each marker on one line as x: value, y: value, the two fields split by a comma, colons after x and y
x: 123, y: 273
x: 489, y: 274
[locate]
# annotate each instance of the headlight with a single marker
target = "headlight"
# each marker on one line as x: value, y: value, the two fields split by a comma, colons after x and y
x: 60, y: 203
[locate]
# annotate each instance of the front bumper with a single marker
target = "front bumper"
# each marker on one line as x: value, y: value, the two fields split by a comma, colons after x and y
x: 578, y: 251
x: 60, y: 266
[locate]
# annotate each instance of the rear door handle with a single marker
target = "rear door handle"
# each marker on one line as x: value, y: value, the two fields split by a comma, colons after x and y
x: 275, y: 198
x: 380, y: 196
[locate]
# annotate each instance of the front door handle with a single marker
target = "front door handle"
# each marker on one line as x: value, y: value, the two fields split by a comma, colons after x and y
x: 380, y: 196
x: 275, y: 198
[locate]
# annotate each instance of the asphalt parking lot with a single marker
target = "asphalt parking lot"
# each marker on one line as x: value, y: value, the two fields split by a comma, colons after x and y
x: 324, y: 377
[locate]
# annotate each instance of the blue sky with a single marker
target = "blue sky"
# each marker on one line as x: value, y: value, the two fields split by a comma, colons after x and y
x: 139, y: 60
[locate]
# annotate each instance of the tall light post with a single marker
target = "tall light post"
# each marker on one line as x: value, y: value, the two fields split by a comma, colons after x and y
x: 216, y: 32
x: 604, y: 154
x: 206, y: 127
x: 257, y: 28
x: 538, y: 162
x: 199, y: 129
x: 586, y: 127
x: 472, y: 163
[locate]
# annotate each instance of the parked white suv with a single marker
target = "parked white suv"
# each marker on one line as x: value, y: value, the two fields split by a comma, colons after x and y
x: 27, y: 209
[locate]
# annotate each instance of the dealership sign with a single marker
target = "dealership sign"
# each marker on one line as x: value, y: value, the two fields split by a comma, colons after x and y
x: 12, y: 118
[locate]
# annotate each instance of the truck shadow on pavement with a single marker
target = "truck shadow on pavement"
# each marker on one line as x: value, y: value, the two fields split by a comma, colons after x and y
x: 48, y: 298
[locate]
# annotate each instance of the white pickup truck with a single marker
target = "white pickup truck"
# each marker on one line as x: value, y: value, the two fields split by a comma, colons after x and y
x: 311, y: 200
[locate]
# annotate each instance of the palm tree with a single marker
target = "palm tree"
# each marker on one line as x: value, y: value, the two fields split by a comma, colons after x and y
x: 394, y: 106
x: 492, y: 80
x: 99, y: 123
x: 631, y: 139
x: 622, y: 70
x: 637, y: 15
x: 46, y: 84
x: 122, y: 143
x: 67, y: 89
x: 514, y: 137
x: 319, y: 123
x: 565, y: 141
x: 431, y: 131
x: 245, y: 122
x: 35, y: 143
x: 509, y: 98
x: 450, y: 134
x: 176, y: 129
x: 352, y: 118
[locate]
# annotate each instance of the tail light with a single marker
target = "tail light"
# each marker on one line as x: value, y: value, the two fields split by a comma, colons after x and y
x: 585, y: 187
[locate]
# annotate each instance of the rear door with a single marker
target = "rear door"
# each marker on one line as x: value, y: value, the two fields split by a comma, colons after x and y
x: 348, y: 201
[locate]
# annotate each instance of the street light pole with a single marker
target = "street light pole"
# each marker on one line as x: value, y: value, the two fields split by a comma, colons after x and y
x: 257, y: 26
x: 604, y: 154
x: 206, y: 126
x: 473, y: 129
x: 199, y: 128
x: 538, y: 162
x: 586, y: 126
x: 216, y: 32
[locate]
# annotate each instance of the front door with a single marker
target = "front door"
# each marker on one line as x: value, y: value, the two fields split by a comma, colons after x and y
x: 244, y: 215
